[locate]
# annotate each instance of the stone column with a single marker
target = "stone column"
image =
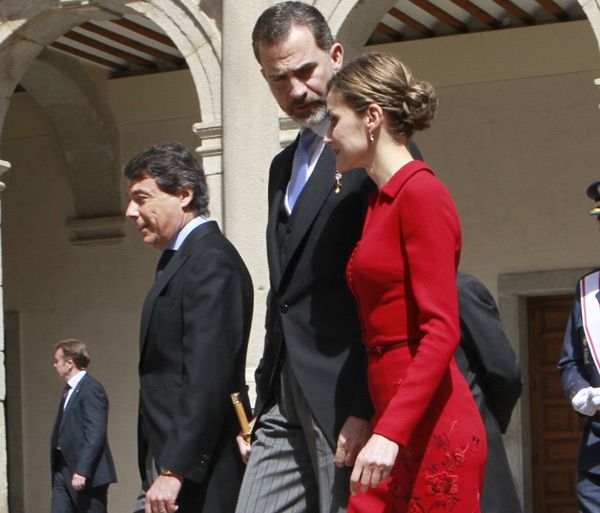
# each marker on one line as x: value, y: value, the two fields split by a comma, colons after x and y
x: 4, y: 166
x: 250, y: 140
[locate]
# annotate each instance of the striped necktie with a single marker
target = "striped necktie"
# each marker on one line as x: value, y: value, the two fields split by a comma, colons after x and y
x: 300, y: 171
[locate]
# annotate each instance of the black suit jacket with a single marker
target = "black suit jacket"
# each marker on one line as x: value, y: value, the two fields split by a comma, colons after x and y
x: 311, y: 313
x: 82, y: 435
x: 491, y: 369
x: 194, y: 334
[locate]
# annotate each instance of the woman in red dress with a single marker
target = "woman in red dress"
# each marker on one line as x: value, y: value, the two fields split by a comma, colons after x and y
x: 428, y: 448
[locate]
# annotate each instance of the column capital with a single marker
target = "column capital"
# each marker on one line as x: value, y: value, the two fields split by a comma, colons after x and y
x: 96, y: 230
x: 4, y: 166
x: 210, y: 134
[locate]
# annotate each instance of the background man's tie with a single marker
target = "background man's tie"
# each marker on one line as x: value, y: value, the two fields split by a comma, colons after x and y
x: 61, y: 408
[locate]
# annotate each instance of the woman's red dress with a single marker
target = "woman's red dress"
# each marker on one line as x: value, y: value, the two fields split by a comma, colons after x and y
x: 403, y: 274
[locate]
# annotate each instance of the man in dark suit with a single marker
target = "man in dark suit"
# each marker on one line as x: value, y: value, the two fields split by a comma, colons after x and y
x: 81, y: 463
x: 491, y: 369
x: 194, y: 333
x: 312, y: 397
x: 579, y: 369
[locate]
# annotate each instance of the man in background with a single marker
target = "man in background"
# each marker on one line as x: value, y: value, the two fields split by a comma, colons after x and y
x: 81, y: 463
x: 492, y: 371
x: 580, y: 374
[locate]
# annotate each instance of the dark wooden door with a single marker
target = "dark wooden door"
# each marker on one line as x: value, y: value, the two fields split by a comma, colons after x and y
x: 555, y: 427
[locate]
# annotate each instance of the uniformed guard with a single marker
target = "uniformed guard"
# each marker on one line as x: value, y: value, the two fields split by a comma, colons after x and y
x: 579, y: 368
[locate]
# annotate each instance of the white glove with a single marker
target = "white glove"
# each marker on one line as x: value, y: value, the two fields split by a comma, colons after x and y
x: 583, y: 401
x: 596, y: 397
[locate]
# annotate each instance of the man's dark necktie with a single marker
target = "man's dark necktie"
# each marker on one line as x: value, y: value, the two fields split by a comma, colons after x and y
x: 61, y: 409
x: 165, y: 258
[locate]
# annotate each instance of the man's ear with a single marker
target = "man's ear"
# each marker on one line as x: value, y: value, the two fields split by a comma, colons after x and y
x: 336, y: 53
x: 185, y: 197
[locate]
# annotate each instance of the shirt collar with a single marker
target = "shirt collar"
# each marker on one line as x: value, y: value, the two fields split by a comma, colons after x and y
x: 186, y: 230
x: 74, y: 381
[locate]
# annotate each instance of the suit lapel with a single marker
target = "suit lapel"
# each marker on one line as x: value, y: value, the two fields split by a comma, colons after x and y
x: 310, y: 202
x: 172, y: 267
x: 276, y: 196
x: 167, y: 274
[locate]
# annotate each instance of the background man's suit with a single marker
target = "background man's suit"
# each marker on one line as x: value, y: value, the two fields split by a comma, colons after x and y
x: 81, y: 436
x: 578, y: 371
x: 194, y: 333
x: 491, y: 369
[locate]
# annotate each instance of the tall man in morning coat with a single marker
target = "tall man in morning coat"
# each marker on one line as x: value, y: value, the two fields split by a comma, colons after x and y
x: 492, y: 371
x: 579, y: 368
x: 312, y: 397
x: 194, y: 333
x: 81, y: 463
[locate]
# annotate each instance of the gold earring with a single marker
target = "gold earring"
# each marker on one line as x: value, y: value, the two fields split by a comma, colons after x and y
x: 338, y: 182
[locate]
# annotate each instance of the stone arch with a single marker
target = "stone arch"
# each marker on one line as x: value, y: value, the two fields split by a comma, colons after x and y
x: 198, y: 39
x: 89, y: 138
x: 29, y: 27
x: 353, y: 21
x: 592, y: 11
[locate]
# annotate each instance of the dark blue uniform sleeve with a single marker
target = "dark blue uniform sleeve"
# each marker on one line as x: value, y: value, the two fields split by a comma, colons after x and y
x: 575, y: 360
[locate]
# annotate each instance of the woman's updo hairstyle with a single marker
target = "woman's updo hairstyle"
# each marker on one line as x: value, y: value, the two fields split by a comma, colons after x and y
x: 410, y: 104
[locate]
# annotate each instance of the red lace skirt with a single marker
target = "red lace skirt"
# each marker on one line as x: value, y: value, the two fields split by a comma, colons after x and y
x: 442, y: 468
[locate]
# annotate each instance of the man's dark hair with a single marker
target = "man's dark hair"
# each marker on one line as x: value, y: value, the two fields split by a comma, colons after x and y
x: 274, y: 24
x: 75, y: 350
x: 175, y: 169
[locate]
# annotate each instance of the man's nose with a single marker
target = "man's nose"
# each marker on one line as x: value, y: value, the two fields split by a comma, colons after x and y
x: 132, y: 210
x: 298, y: 88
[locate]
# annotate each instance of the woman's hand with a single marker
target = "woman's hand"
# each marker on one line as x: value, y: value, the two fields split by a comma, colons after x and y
x: 373, y: 464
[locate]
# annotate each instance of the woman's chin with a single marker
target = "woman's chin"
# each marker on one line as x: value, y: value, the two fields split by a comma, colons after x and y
x: 344, y: 167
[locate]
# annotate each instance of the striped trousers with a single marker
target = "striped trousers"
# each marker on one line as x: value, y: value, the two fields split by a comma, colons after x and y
x: 291, y: 468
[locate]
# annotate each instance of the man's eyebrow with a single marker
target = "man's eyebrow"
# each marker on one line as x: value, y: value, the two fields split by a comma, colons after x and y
x: 305, y: 66
x: 276, y: 75
x: 300, y: 69
x: 137, y: 192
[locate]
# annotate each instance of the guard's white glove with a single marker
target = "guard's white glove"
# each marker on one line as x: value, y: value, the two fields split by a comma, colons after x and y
x: 596, y: 397
x: 583, y: 401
